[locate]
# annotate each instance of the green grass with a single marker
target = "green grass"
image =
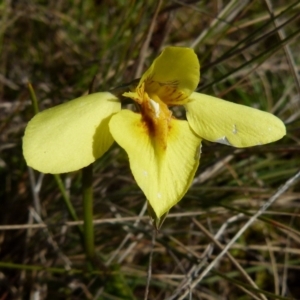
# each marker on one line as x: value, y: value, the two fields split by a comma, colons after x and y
x: 60, y: 47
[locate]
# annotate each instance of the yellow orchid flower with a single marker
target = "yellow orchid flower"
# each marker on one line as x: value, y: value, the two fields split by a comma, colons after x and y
x: 163, y: 151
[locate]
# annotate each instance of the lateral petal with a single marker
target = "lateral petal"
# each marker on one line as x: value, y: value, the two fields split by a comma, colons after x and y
x: 164, y: 179
x: 232, y: 124
x: 70, y: 136
x: 173, y: 75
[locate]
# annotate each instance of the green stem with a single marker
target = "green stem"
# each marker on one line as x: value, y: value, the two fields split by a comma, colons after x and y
x: 88, y: 228
x: 68, y: 203
x: 33, y: 99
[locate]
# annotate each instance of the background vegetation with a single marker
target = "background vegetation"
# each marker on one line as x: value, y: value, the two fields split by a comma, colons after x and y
x: 249, y: 52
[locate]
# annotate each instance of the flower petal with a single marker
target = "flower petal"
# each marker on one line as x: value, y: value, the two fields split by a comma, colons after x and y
x: 163, y: 178
x: 173, y: 75
x: 228, y: 123
x: 70, y: 136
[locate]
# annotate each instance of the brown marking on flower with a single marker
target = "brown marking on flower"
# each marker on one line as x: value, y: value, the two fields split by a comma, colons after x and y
x: 155, y: 115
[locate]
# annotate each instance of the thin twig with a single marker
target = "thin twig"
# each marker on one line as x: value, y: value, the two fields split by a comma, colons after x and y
x: 88, y: 226
x: 96, y: 222
x: 194, y: 271
x: 274, y: 267
x: 227, y: 15
x: 145, y: 46
x: 50, y: 239
x: 127, y: 237
x: 154, y: 233
x: 35, y: 188
x: 230, y: 257
x: 264, y: 207
x: 286, y: 48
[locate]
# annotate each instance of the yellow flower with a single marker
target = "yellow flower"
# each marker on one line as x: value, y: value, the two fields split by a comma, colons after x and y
x: 163, y: 151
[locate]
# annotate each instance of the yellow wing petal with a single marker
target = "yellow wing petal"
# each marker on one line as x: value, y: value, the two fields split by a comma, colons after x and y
x: 228, y: 123
x: 70, y: 136
x: 173, y: 75
x: 164, y: 179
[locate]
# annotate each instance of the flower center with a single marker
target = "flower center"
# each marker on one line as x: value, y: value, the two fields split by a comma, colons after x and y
x: 156, y: 117
x: 155, y: 107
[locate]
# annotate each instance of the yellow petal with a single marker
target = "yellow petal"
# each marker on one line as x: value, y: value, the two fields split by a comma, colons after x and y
x: 70, y: 136
x: 164, y: 179
x: 228, y: 123
x: 173, y: 75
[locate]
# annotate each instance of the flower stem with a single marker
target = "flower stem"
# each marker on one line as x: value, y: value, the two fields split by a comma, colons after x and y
x: 68, y: 203
x: 88, y: 228
x: 33, y: 98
